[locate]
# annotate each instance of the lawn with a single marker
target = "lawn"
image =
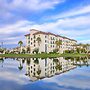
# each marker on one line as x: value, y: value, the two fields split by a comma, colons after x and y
x: 44, y: 55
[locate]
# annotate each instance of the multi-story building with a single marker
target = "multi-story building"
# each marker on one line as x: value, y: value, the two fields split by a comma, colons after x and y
x: 47, y: 43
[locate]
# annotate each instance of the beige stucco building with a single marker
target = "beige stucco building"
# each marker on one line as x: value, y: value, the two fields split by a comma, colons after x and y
x: 48, y: 40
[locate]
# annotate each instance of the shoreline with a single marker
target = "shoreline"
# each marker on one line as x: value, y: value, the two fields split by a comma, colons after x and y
x: 42, y: 55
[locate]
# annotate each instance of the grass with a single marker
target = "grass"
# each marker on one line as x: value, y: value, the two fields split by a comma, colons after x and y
x: 41, y: 55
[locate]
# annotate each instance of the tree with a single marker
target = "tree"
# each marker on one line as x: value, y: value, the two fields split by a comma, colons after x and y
x: 23, y: 51
x: 55, y: 50
x: 28, y: 49
x: 1, y: 50
x: 58, y: 43
x: 20, y: 43
x: 36, y: 50
x: 78, y: 50
x: 39, y: 40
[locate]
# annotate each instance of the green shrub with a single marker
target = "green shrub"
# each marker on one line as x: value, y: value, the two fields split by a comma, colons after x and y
x: 36, y: 50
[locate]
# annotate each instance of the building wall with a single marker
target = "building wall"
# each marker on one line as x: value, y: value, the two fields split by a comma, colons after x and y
x: 47, y: 42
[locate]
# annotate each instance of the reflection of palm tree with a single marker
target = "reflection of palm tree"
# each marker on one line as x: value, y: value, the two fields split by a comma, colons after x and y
x: 36, y: 61
x: 2, y: 60
x: 58, y: 65
x: 20, y: 67
x: 39, y: 71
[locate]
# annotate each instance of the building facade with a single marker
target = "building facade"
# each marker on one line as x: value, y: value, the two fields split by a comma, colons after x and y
x: 47, y: 41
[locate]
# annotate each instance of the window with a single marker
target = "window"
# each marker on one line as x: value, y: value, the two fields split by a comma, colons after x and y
x: 34, y: 74
x: 51, y: 45
x: 45, y: 41
x: 45, y: 36
x: 53, y: 42
x: 34, y: 45
x: 34, y: 37
x: 28, y: 41
x: 28, y: 37
x: 34, y: 41
x: 51, y: 38
x: 31, y: 43
x: 31, y: 38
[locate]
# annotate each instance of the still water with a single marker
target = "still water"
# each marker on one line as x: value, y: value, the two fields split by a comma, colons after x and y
x: 45, y: 74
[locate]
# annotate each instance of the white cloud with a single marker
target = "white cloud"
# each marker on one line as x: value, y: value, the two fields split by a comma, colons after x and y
x: 16, y: 77
x: 72, y: 79
x: 32, y: 5
x: 69, y: 27
x: 72, y: 12
x: 12, y: 10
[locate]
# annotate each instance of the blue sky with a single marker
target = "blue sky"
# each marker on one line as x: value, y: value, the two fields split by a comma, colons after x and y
x: 69, y: 18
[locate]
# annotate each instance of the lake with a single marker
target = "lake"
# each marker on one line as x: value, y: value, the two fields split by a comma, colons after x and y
x: 45, y: 73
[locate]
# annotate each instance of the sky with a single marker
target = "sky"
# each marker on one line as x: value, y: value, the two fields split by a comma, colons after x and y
x: 70, y: 18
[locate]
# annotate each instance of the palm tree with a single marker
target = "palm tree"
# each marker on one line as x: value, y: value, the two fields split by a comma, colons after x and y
x: 58, y: 43
x: 39, y: 40
x: 20, y: 43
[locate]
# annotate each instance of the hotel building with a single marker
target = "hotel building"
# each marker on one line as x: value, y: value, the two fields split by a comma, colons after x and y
x: 47, y: 43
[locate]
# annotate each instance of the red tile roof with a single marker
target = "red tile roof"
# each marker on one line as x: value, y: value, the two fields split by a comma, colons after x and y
x: 49, y: 33
x: 27, y: 34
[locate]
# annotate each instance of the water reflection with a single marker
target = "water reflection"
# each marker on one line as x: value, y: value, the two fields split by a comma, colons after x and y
x: 38, y: 68
x: 79, y: 61
x: 15, y: 73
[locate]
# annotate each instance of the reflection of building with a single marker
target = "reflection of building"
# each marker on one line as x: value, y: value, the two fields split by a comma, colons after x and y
x: 48, y: 40
x: 88, y: 48
x: 37, y: 68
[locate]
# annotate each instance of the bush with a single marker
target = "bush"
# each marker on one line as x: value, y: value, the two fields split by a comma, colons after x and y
x: 69, y: 51
x: 44, y: 52
x: 55, y: 50
x: 23, y: 51
x: 36, y: 50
